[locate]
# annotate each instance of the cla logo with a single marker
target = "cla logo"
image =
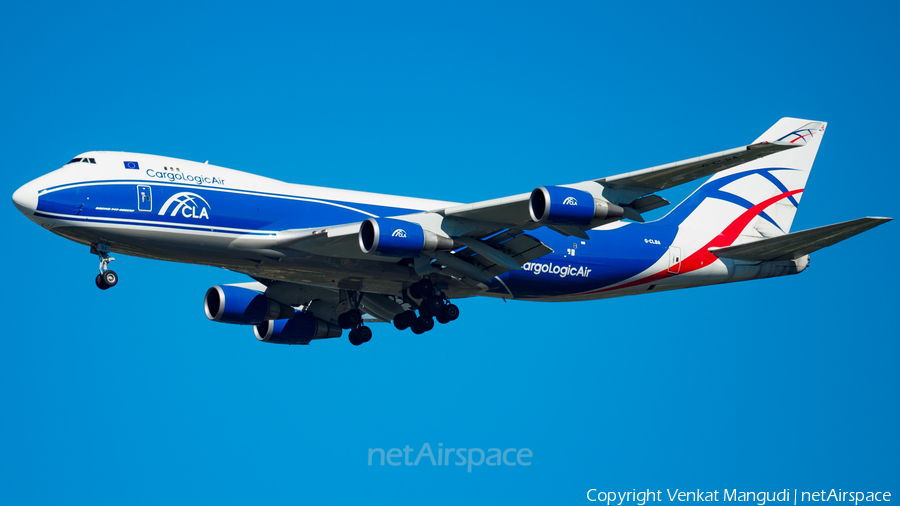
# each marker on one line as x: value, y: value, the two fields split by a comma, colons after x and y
x: 570, y: 201
x: 190, y: 204
x: 399, y: 233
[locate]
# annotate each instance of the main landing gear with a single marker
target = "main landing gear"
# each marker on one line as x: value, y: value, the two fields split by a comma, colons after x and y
x: 353, y: 320
x: 107, y: 278
x: 435, y: 305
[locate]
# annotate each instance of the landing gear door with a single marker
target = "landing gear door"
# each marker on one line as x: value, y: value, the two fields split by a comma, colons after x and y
x: 145, y: 198
x: 674, y: 259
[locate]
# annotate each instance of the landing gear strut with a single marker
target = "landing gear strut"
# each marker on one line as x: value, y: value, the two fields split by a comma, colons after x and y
x: 107, y: 278
x: 434, y: 305
x: 353, y: 320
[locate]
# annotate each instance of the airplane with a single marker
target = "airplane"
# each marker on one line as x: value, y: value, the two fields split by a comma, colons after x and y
x: 326, y: 260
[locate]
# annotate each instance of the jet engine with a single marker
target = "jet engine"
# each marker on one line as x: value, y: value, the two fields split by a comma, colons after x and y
x: 300, y: 329
x: 568, y: 206
x: 243, y: 306
x: 397, y: 238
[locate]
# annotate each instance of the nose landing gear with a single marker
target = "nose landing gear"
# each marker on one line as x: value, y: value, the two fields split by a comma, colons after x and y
x: 107, y: 278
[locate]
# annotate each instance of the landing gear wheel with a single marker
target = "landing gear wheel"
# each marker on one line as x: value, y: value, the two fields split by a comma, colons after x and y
x: 426, y: 323
x: 434, y: 305
x: 110, y: 278
x: 403, y: 320
x: 354, y: 317
x: 355, y: 338
x: 417, y: 328
x: 450, y: 311
x: 421, y: 289
x: 426, y: 287
x: 364, y: 334
x: 350, y: 319
x: 106, y: 280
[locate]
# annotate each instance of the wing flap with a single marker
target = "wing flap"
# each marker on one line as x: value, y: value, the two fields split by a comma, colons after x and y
x: 797, y: 244
x: 521, y: 248
x: 648, y: 203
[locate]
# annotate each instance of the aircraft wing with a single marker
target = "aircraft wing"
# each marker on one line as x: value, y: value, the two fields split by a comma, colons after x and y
x: 490, y: 237
x: 666, y: 176
x: 478, y: 255
x: 630, y: 190
x: 797, y: 244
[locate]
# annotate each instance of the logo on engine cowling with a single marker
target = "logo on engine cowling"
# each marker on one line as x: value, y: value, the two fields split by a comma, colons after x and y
x: 190, y: 205
x: 570, y: 201
x: 399, y: 233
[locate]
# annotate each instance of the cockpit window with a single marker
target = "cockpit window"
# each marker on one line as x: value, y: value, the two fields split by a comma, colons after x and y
x: 82, y: 160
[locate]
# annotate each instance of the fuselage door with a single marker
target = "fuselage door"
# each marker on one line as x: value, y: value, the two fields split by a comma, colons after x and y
x: 674, y: 259
x: 145, y: 198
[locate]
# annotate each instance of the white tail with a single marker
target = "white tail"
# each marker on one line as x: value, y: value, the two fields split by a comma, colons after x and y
x: 769, y: 188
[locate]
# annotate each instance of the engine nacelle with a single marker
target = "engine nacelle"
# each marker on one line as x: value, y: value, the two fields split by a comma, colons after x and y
x: 301, y: 329
x: 568, y: 206
x: 235, y: 304
x: 397, y: 238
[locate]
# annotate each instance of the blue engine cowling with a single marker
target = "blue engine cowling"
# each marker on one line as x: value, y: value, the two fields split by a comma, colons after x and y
x: 397, y: 238
x: 568, y: 206
x: 301, y: 329
x: 243, y: 306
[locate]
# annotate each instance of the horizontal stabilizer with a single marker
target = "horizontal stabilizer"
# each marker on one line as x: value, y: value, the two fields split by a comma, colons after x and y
x: 797, y: 244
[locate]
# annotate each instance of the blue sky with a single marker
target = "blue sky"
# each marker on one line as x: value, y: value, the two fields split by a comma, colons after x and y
x: 132, y: 396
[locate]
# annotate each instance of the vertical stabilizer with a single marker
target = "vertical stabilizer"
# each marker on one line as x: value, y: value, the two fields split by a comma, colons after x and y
x: 764, y: 193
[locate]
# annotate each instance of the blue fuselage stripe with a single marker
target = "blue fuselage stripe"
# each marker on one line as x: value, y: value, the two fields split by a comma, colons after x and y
x: 205, y: 207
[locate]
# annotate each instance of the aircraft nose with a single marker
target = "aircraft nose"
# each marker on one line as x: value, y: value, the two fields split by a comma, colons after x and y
x: 26, y: 199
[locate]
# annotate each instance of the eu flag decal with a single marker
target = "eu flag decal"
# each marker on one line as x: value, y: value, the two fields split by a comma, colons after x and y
x: 131, y: 165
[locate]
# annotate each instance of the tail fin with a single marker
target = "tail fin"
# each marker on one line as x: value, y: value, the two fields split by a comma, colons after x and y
x: 764, y: 193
